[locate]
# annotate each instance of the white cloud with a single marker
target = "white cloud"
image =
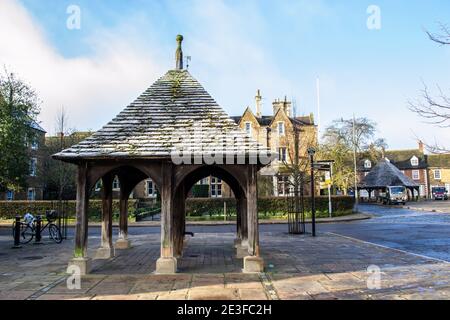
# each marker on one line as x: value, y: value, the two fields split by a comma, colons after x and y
x: 93, y: 89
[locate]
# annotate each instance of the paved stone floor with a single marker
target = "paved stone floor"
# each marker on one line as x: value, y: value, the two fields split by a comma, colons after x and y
x: 297, y: 267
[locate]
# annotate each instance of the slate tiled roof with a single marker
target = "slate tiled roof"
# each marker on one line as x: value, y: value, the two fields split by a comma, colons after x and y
x: 385, y: 174
x: 439, y: 160
x: 267, y: 120
x: 176, y: 112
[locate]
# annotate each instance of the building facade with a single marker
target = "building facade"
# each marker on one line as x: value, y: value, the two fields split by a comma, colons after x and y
x: 439, y: 171
x: 277, y: 132
x: 34, y: 189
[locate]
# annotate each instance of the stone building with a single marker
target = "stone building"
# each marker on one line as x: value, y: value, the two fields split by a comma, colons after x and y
x: 439, y: 171
x: 34, y: 189
x: 277, y: 133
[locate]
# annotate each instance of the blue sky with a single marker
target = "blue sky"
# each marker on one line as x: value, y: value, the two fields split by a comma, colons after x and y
x: 237, y: 47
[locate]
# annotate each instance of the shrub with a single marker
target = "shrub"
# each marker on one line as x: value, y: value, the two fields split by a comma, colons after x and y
x: 9, y: 209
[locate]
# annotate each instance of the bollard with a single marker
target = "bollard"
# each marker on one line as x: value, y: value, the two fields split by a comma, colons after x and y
x: 38, y: 230
x: 17, y: 233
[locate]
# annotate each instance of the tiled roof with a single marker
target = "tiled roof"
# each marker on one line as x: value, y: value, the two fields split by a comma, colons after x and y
x: 385, y: 174
x: 176, y: 112
x: 36, y: 126
x: 267, y: 120
x: 439, y: 160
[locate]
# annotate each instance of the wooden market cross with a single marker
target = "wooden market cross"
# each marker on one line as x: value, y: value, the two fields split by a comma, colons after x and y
x: 174, y: 116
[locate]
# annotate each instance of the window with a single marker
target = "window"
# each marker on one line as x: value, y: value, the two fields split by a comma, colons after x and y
x: 116, y: 184
x: 416, y: 175
x: 414, y: 161
x: 283, y: 185
x: 33, y: 164
x: 151, y: 189
x: 437, y: 174
x: 31, y: 194
x: 281, y: 130
x: 216, y: 188
x: 248, y: 128
x: 282, y: 154
x: 98, y: 185
x: 367, y: 164
x: 34, y: 144
x: 10, y: 195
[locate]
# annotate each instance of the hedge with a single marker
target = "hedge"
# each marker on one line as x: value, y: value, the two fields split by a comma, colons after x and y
x: 266, y: 205
x: 9, y: 209
x: 195, y: 207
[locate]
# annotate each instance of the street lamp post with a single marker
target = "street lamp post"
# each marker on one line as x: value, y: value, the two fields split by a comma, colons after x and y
x: 311, y: 152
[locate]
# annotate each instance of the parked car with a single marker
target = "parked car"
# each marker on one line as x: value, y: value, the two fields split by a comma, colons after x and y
x: 439, y: 193
x: 394, y: 195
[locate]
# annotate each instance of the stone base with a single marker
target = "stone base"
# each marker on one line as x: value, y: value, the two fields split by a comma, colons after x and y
x: 122, y: 244
x: 166, y: 266
x: 253, y: 264
x: 237, y: 242
x: 84, y: 265
x: 241, y: 252
x: 104, y: 253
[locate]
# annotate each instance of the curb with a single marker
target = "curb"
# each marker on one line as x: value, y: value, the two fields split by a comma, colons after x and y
x: 354, y: 217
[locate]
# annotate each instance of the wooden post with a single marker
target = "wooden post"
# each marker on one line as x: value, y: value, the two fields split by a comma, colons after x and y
x: 123, y: 242
x: 179, y: 222
x: 81, y: 259
x: 107, y: 250
x: 253, y: 262
x: 167, y: 263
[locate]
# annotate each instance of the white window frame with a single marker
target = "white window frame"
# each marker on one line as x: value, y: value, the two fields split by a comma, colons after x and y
x: 282, y: 185
x: 151, y: 192
x: 33, y: 194
x: 33, y: 167
x: 34, y: 144
x: 216, y: 187
x: 9, y: 195
x: 248, y: 128
x: 437, y: 174
x: 282, y: 152
x: 281, y: 128
x: 415, y: 175
x: 368, y: 164
x: 116, y: 184
x: 414, y: 161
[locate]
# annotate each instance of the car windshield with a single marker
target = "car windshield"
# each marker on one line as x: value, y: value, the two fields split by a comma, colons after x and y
x: 439, y: 190
x: 397, y: 190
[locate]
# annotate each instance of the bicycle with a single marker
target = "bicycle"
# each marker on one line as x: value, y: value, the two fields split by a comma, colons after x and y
x: 28, y: 228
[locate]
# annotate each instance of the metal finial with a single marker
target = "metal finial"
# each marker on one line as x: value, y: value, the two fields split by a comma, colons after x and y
x: 179, y: 53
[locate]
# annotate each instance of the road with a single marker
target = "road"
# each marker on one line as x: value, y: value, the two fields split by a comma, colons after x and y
x: 418, y: 232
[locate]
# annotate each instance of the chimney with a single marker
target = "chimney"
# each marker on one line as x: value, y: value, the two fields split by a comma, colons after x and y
x: 287, y: 107
x: 258, y: 99
x: 421, y: 147
x: 179, y: 53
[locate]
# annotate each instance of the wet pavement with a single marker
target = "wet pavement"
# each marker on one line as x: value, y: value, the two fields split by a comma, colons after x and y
x: 410, y: 248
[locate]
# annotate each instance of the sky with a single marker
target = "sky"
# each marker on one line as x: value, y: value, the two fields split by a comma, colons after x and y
x: 280, y: 47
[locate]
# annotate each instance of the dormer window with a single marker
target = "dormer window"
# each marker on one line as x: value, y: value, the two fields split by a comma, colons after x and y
x: 248, y: 128
x: 281, y: 129
x: 414, y: 161
x: 367, y: 164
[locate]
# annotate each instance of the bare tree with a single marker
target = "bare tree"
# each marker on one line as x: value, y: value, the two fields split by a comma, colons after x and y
x: 434, y: 108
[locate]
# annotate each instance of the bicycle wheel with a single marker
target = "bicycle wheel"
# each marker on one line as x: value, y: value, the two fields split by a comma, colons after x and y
x: 26, y: 233
x: 55, y: 233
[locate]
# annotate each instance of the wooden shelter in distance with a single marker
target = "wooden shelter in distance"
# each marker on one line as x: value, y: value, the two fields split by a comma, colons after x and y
x: 385, y: 174
x: 174, y: 117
